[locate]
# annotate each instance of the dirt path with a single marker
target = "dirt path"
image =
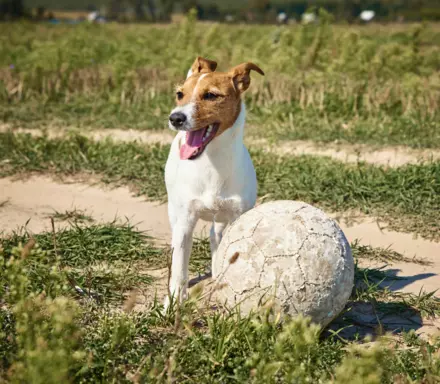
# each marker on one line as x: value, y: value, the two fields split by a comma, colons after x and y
x: 386, y: 156
x: 38, y: 197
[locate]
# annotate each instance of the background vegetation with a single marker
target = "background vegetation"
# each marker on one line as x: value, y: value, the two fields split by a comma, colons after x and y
x: 262, y: 10
x: 373, y: 84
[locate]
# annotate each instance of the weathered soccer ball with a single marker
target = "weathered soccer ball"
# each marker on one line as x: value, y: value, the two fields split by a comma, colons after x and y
x: 288, y: 254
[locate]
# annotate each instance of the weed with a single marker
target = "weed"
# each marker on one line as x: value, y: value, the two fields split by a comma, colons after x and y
x: 45, y: 330
x: 387, y: 255
x: 72, y: 215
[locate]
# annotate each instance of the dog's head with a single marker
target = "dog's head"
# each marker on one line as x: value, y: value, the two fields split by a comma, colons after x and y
x: 208, y: 103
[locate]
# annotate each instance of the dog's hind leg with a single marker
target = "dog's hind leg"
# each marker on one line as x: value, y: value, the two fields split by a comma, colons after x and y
x: 216, y: 235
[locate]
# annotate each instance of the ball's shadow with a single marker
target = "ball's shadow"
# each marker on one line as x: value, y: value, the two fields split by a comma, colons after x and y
x: 362, y: 318
x: 375, y: 317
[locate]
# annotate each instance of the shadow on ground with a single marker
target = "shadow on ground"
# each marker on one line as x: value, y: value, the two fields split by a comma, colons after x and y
x: 371, y: 316
x: 396, y: 283
x: 366, y: 318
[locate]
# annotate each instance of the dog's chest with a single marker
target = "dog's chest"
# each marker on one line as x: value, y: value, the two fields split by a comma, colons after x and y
x: 198, y: 179
x: 210, y: 197
x: 208, y: 185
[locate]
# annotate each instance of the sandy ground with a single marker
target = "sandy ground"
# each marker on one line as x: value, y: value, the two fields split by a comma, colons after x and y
x: 33, y: 200
x: 387, y: 156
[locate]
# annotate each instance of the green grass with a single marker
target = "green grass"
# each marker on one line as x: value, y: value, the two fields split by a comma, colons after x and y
x: 284, y: 123
x: 369, y: 84
x: 151, y: 113
x: 276, y: 123
x: 104, y: 260
x: 48, y: 334
x: 74, y: 215
x: 386, y: 255
x: 79, y: 245
x: 408, y: 197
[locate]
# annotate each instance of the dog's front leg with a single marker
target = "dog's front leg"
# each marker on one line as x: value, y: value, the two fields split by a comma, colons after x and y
x: 182, y: 243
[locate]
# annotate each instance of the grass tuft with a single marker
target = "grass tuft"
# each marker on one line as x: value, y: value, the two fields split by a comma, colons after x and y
x: 383, y: 254
x: 74, y: 215
x: 103, y: 261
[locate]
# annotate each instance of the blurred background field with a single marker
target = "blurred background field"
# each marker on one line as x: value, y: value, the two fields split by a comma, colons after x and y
x: 249, y: 10
x: 377, y: 84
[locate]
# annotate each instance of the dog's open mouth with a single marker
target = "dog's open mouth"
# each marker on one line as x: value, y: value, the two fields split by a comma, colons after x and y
x: 196, y: 142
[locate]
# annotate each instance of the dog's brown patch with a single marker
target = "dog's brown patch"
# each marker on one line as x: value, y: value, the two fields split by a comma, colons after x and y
x: 216, y: 95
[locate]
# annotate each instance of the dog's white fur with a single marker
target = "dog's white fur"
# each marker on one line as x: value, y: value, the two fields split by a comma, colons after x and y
x: 218, y: 186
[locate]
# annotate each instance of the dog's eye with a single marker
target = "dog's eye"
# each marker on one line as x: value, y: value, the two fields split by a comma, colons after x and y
x: 209, y: 96
x: 179, y: 95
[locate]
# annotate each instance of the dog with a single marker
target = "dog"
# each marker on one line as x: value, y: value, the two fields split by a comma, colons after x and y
x: 209, y: 173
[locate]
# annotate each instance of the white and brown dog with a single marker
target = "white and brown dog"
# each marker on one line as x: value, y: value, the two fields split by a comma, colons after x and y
x: 209, y: 174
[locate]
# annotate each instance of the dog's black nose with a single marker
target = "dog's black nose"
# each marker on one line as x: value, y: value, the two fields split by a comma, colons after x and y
x: 177, y: 119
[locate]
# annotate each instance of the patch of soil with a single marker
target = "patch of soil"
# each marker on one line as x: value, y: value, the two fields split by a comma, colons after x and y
x: 144, y: 298
x: 416, y: 276
x: 32, y: 201
x: 386, y: 156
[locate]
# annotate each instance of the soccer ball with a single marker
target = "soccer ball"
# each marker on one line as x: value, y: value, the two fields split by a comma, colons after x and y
x: 288, y: 254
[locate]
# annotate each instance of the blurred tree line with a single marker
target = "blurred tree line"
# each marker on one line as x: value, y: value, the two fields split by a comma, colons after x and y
x: 11, y: 9
x: 249, y: 10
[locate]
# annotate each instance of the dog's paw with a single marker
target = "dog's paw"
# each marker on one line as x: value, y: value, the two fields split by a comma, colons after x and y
x: 171, y: 302
x: 167, y: 305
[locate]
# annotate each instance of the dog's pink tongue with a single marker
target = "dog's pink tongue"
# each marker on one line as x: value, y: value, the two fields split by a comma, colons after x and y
x: 194, y: 141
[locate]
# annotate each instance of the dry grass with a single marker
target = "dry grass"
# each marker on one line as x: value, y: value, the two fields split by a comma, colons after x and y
x: 324, y: 82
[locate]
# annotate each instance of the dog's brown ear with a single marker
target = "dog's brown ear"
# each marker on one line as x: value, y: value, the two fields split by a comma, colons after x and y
x: 202, y: 65
x: 240, y: 75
